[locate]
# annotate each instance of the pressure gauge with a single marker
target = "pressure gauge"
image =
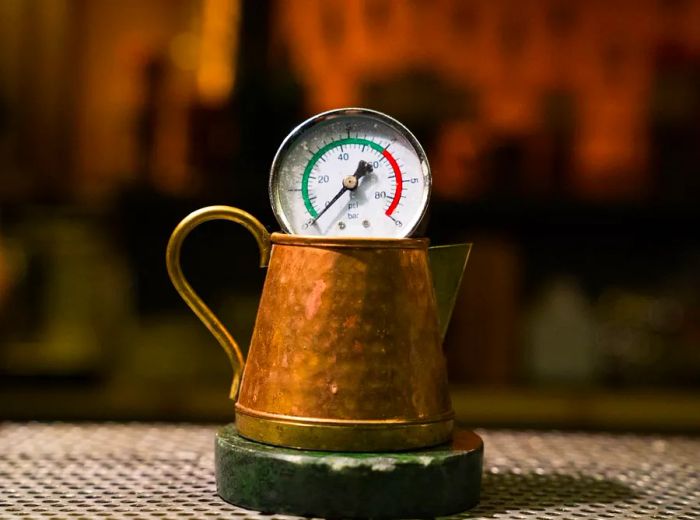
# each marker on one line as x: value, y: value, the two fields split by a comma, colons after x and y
x: 350, y: 172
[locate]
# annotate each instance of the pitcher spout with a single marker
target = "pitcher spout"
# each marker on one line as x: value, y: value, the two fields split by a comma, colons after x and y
x: 447, y: 264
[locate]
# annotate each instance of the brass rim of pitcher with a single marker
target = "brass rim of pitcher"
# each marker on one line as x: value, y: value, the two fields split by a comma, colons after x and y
x: 387, y: 436
x: 444, y: 416
x: 349, y: 242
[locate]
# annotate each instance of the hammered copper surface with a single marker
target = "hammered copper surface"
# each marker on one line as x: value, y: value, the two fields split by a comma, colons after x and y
x: 346, y: 350
x: 147, y: 471
x: 346, y: 334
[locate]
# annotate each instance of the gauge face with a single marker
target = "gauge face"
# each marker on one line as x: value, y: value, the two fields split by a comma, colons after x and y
x: 350, y: 172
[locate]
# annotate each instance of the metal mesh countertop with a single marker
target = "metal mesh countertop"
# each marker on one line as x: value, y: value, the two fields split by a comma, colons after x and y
x: 166, y: 471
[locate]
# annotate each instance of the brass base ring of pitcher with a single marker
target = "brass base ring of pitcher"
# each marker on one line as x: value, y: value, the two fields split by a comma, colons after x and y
x: 328, y: 435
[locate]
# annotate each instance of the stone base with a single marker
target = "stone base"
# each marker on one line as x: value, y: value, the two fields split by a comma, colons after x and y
x: 436, y: 481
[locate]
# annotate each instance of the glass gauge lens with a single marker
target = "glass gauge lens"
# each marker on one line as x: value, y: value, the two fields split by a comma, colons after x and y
x: 350, y: 172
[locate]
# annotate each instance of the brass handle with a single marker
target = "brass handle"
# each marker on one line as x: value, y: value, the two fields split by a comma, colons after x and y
x: 203, y: 312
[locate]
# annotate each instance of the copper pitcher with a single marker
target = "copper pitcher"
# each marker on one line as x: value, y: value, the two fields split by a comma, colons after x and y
x: 346, y: 351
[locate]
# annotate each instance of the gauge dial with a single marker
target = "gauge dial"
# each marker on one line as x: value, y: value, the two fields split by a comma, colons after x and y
x: 350, y: 172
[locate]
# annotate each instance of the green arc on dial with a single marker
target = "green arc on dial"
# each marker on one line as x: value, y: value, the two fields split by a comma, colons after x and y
x: 320, y: 153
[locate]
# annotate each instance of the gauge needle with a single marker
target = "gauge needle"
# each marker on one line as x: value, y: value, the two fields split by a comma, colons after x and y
x: 349, y: 183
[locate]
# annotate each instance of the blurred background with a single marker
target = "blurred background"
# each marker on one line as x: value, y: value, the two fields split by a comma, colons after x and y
x: 564, y: 138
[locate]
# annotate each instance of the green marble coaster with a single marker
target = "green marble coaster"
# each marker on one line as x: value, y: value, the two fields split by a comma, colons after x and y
x: 431, y: 482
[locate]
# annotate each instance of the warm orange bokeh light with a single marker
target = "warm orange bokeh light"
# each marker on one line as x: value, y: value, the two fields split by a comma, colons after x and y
x: 513, y: 54
x: 218, y: 50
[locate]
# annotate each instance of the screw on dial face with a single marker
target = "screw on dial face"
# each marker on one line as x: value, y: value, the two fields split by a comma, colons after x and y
x: 350, y: 172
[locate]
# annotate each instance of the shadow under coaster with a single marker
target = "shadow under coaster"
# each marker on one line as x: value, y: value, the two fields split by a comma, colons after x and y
x: 431, y: 482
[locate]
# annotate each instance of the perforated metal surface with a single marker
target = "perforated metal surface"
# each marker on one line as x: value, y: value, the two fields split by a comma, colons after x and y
x: 148, y: 471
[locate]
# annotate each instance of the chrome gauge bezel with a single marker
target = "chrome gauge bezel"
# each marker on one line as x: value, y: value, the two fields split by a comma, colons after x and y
x: 301, y: 129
